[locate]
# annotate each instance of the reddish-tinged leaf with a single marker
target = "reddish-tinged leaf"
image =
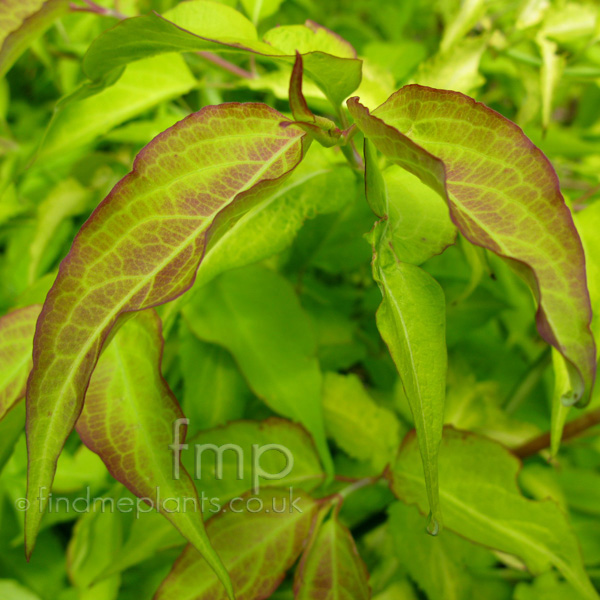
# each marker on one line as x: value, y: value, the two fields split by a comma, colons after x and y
x: 141, y: 247
x: 130, y: 419
x: 503, y: 195
x: 16, y: 339
x: 21, y: 21
x: 331, y: 568
x: 256, y: 547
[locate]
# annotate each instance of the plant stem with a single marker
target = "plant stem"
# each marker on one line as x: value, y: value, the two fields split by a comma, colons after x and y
x: 92, y: 7
x: 225, y: 64
x: 571, y: 430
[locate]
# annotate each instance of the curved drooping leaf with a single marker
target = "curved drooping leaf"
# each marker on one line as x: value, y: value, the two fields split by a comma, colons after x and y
x: 482, y: 503
x: 259, y: 539
x: 588, y: 225
x: 130, y: 420
x: 141, y: 247
x: 16, y: 341
x: 231, y: 460
x: 272, y: 342
x: 21, y: 21
x: 503, y: 195
x: 331, y: 567
x: 207, y: 26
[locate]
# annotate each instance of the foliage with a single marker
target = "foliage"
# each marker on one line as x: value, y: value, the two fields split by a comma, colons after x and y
x: 286, y: 285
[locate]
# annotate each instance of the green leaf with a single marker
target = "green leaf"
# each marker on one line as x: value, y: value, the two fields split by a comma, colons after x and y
x: 255, y: 314
x: 546, y: 587
x: 214, y: 390
x: 552, y: 68
x: 316, y: 187
x: 258, y: 10
x: 206, y: 26
x: 143, y: 85
x: 21, y: 22
x: 16, y: 340
x: 419, y: 225
x: 441, y: 565
x: 482, y: 503
x: 331, y: 566
x: 359, y: 426
x: 412, y: 322
x: 470, y: 11
x: 97, y: 535
x: 130, y: 419
x: 503, y: 195
x: 68, y: 199
x: 257, y: 548
x: 141, y: 247
x: 224, y: 473
x: 12, y: 426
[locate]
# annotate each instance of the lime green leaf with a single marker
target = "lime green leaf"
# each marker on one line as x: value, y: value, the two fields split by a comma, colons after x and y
x: 206, y: 26
x: 21, y: 21
x: 439, y: 565
x: 469, y: 13
x: 272, y: 342
x: 97, y: 535
x: 68, y: 199
x: 546, y: 587
x: 214, y: 390
x: 552, y: 67
x: 16, y: 341
x: 419, y: 225
x: 259, y: 539
x: 143, y: 85
x: 503, y: 195
x: 141, y: 247
x: 331, y: 567
x: 12, y: 426
x: 458, y: 70
x: 131, y: 419
x: 359, y: 426
x: 260, y: 458
x: 316, y: 187
x: 588, y: 225
x: 483, y: 504
x: 258, y: 10
x: 412, y: 322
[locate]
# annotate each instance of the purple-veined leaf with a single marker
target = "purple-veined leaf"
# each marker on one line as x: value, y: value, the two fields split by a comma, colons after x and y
x: 483, y: 503
x: 21, y: 21
x: 141, y: 247
x: 331, y: 567
x: 503, y: 195
x: 16, y: 340
x: 207, y: 26
x: 259, y: 539
x: 129, y: 419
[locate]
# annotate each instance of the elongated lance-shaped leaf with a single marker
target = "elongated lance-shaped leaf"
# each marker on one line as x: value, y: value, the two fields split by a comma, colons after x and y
x: 503, y: 195
x: 412, y: 323
x: 16, y: 342
x: 141, y: 247
x: 331, y: 567
x: 483, y: 503
x: 412, y: 317
x: 132, y: 421
x: 21, y: 21
x: 207, y: 26
x: 259, y: 538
